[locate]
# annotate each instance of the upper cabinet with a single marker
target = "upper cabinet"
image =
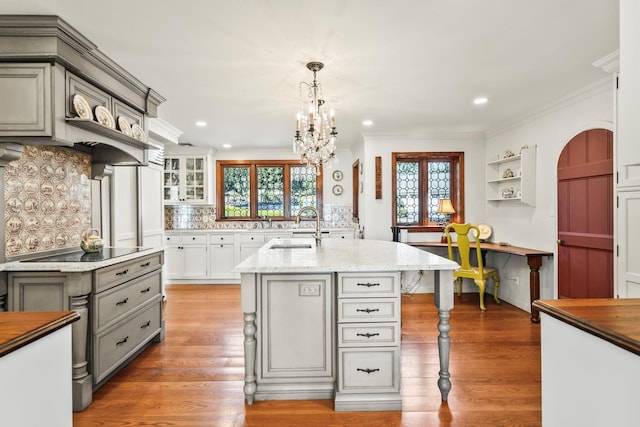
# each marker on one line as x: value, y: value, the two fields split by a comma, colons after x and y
x: 186, y: 179
x: 512, y: 177
x: 45, y: 64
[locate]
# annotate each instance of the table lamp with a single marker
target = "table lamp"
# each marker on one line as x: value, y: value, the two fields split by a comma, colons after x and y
x: 445, y: 207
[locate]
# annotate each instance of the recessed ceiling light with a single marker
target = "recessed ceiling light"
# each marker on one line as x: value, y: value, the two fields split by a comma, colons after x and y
x: 367, y: 122
x: 480, y: 101
x: 226, y: 145
x: 201, y: 123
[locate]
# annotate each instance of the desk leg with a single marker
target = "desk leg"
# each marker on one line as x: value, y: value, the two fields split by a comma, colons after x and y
x: 443, y: 299
x: 535, y: 262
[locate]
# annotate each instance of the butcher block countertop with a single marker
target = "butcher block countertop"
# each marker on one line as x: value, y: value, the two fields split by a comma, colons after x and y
x: 18, y: 329
x: 613, y: 320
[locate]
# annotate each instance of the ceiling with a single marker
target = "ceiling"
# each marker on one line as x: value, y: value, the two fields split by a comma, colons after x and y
x: 412, y: 67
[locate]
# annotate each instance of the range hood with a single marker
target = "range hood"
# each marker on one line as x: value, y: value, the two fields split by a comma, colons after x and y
x: 46, y: 62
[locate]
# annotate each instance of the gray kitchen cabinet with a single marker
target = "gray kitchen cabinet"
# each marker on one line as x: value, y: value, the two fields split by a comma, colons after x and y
x: 368, y: 321
x: 119, y: 307
x: 26, y: 93
x: 186, y: 255
x: 296, y: 313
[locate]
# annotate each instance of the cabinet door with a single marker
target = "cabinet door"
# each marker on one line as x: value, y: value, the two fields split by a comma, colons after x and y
x: 195, y: 261
x: 296, y: 320
x: 174, y: 261
x: 246, y: 250
x: 629, y: 245
x: 171, y: 180
x: 25, y: 109
x: 195, y: 179
x: 222, y: 260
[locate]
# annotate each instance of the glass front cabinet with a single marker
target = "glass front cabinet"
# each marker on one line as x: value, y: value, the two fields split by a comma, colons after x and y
x: 185, y: 179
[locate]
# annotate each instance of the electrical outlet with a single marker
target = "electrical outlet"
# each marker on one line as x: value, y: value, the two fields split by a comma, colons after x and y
x: 306, y: 290
x: 514, y: 280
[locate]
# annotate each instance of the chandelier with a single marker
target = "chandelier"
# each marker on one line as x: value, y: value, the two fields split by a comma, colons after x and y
x: 315, y: 139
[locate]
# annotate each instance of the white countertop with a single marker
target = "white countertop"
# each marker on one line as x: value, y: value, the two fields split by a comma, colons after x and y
x: 303, y: 230
x: 342, y: 255
x: 74, y: 267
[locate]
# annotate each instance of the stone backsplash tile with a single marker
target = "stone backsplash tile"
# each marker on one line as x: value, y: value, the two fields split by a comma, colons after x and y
x: 188, y: 217
x: 48, y: 200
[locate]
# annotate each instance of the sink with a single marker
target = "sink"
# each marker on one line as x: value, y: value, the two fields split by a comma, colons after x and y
x: 291, y: 246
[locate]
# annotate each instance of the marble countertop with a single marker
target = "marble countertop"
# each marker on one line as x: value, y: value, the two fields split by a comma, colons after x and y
x: 74, y: 267
x: 343, y: 256
x: 304, y: 230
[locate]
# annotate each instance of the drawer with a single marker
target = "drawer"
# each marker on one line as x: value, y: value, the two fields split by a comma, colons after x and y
x: 172, y: 239
x: 115, y: 346
x: 368, y: 334
x: 368, y: 370
x: 252, y: 238
x: 194, y: 239
x: 221, y: 238
x: 111, y: 305
x: 369, y: 310
x: 357, y: 285
x: 278, y: 236
x: 113, y: 275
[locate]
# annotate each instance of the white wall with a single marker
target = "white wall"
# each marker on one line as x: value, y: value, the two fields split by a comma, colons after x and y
x: 378, y: 212
x: 536, y: 227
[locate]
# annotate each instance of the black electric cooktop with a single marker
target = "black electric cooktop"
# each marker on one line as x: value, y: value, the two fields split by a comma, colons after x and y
x: 81, y: 256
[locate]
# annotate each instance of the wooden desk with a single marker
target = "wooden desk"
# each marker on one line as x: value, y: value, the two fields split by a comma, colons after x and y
x: 534, y: 260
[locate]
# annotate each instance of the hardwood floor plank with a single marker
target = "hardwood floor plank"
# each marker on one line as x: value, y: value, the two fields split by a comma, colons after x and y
x: 195, y: 376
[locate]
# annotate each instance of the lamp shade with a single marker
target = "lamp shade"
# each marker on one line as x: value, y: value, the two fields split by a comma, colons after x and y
x: 445, y: 207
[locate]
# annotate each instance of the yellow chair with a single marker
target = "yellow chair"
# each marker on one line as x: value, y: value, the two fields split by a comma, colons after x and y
x: 480, y: 273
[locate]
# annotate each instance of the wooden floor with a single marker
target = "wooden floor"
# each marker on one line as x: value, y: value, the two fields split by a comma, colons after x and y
x: 195, y: 376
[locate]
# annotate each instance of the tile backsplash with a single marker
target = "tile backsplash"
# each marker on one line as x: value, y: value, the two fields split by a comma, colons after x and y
x: 48, y: 200
x: 188, y: 217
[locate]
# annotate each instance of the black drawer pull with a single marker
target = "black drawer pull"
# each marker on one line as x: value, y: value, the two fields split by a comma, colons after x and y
x: 123, y: 272
x: 124, y: 301
x: 146, y: 264
x: 368, y: 310
x: 146, y: 325
x: 144, y: 291
x: 367, y: 335
x: 123, y: 341
x: 368, y: 285
x: 368, y: 371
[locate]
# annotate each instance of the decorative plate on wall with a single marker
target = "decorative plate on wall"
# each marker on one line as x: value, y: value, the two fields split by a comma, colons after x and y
x: 337, y: 189
x: 104, y: 117
x: 138, y: 132
x: 485, y: 231
x: 337, y: 175
x: 82, y: 107
x: 124, y: 126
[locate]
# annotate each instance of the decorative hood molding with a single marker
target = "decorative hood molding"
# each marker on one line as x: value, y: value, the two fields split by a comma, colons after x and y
x: 48, y: 62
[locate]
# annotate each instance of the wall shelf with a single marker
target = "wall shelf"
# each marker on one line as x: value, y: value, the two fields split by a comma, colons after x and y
x: 521, y: 187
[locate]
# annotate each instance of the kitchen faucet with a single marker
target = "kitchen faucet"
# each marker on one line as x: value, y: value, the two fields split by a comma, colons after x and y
x: 318, y: 235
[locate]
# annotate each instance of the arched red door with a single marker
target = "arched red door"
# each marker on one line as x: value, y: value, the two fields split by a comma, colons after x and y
x: 585, y: 216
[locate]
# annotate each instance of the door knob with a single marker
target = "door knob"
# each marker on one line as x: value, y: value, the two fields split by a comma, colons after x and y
x: 560, y: 241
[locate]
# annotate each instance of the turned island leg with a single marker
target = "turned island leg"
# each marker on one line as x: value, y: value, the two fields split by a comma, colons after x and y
x: 249, y: 356
x: 443, y: 299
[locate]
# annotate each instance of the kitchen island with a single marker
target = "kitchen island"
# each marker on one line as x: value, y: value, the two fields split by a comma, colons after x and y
x: 323, y: 322
x: 116, y: 294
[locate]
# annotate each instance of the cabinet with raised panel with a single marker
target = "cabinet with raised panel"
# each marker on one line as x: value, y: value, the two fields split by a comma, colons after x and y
x: 186, y: 255
x: 368, y: 353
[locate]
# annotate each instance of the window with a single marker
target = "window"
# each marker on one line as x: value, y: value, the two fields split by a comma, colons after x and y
x: 250, y: 190
x: 420, y: 181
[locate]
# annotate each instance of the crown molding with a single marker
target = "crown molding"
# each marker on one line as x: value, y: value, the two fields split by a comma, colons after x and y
x: 584, y: 93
